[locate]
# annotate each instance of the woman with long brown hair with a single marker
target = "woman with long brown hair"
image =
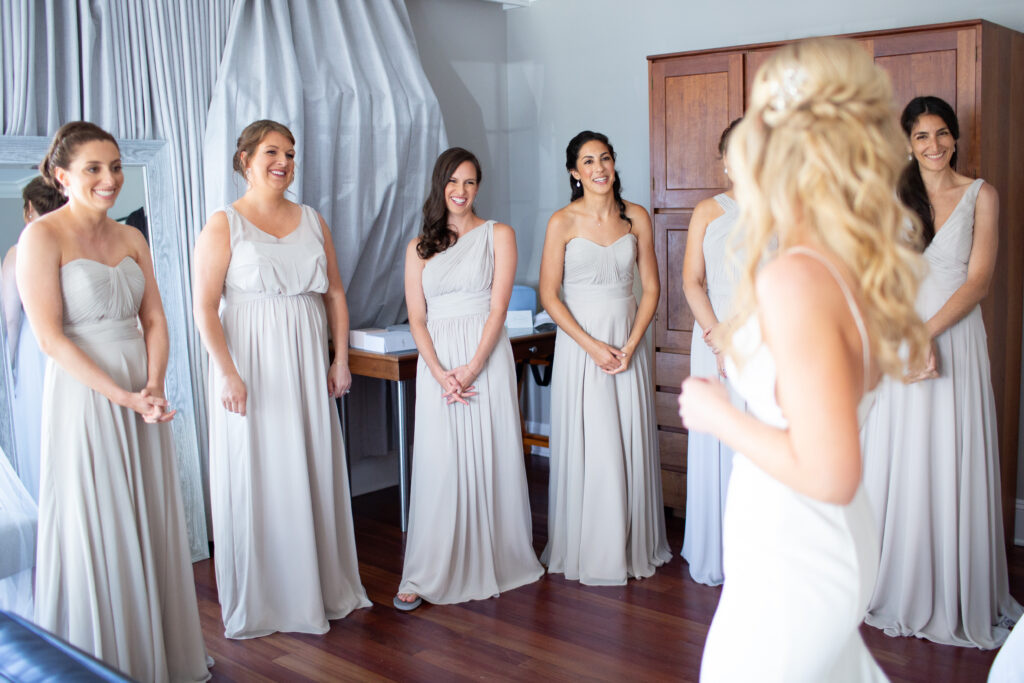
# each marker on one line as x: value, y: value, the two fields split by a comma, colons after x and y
x: 931, y: 450
x: 470, y: 535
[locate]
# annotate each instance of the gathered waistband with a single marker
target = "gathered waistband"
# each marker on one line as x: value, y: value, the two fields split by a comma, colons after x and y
x: 234, y: 298
x: 597, y: 293
x: 458, y: 304
x: 103, y: 331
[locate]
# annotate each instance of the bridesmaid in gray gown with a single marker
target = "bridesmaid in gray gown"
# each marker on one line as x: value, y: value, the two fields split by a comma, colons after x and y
x: 606, y: 521
x: 112, y: 572
x: 470, y: 534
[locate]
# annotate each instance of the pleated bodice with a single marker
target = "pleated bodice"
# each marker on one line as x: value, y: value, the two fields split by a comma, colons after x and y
x: 593, y: 271
x: 457, y: 281
x: 95, y: 293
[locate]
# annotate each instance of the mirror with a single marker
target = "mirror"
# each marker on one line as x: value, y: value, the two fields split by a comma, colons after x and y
x: 148, y: 187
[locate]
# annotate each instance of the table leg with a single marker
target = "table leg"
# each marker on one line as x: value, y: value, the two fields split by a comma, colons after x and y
x: 403, y: 457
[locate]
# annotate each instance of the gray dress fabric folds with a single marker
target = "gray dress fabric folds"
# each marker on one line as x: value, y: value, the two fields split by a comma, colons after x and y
x: 606, y: 521
x: 112, y: 570
x: 470, y: 534
x: 708, y: 460
x: 931, y: 471
x: 282, y: 518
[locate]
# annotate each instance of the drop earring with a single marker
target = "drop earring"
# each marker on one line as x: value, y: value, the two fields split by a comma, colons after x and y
x: 578, y: 183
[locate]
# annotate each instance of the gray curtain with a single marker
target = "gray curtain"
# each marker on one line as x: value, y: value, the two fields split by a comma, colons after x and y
x: 346, y: 78
x: 142, y: 69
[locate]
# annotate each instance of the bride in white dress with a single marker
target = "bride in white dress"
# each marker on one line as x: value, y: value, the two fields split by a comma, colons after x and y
x: 819, y: 320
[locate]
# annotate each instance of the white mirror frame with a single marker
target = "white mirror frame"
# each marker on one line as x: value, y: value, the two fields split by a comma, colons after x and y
x: 166, y: 236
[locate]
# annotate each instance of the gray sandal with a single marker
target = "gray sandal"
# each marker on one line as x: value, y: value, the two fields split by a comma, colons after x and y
x: 404, y: 606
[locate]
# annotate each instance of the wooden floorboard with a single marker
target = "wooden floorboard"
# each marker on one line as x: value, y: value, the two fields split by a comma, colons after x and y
x: 551, y: 630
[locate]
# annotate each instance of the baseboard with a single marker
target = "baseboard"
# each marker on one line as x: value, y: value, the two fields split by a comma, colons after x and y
x: 1018, y: 523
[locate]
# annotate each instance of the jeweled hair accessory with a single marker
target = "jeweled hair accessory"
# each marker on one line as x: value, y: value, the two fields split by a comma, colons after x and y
x: 788, y: 90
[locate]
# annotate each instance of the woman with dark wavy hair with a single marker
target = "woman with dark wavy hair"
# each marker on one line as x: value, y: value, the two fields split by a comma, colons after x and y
x: 931, y: 454
x: 470, y: 534
x: 606, y: 522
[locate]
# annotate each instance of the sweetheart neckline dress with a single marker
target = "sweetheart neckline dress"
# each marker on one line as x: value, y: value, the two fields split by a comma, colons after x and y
x: 113, y: 574
x: 606, y: 521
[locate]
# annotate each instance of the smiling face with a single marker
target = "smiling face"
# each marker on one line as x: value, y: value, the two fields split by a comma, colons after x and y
x: 931, y: 142
x: 461, y: 189
x: 272, y: 165
x: 595, y: 168
x: 94, y: 176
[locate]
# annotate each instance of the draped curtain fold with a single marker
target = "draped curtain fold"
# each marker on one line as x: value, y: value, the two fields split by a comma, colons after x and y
x: 345, y: 77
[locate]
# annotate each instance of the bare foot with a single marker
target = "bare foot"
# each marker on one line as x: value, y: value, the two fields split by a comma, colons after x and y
x: 407, y: 597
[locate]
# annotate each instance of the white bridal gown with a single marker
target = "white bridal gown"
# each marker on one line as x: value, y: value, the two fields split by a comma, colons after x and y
x: 798, y: 572
x: 285, y: 551
x: 470, y: 534
x: 112, y: 571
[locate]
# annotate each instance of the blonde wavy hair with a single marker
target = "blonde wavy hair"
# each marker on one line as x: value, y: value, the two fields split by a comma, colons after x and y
x: 820, y: 144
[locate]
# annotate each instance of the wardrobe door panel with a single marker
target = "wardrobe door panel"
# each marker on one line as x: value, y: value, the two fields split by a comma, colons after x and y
x: 674, y: 326
x: 692, y: 100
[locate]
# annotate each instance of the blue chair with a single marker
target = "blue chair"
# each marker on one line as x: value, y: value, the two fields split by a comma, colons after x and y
x: 523, y: 299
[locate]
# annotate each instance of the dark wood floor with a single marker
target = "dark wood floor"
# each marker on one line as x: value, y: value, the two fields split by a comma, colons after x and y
x: 554, y: 629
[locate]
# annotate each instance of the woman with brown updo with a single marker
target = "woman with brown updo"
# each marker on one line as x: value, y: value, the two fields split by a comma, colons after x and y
x: 267, y: 294
x: 112, y: 563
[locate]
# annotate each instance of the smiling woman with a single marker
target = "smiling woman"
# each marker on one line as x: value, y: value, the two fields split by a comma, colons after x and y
x: 109, y: 506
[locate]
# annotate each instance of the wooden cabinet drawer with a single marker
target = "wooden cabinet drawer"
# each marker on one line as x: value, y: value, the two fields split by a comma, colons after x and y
x: 672, y: 449
x: 666, y: 409
x: 672, y: 369
x: 673, y: 489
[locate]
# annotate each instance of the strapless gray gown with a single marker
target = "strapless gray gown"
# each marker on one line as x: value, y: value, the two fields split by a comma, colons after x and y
x: 112, y: 567
x: 606, y: 521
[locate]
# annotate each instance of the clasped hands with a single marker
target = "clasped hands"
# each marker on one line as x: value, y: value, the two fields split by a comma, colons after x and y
x: 609, y: 359
x: 151, y: 405
x: 930, y: 369
x: 711, y: 339
x: 457, y: 384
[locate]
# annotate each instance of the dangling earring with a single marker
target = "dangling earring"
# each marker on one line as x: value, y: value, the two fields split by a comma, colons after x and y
x: 578, y: 183
x: 248, y: 174
x: 910, y: 156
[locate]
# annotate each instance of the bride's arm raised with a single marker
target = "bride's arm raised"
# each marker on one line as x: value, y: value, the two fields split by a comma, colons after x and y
x: 805, y: 323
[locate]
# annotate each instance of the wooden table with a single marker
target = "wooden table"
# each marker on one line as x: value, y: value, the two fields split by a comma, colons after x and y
x: 528, y: 346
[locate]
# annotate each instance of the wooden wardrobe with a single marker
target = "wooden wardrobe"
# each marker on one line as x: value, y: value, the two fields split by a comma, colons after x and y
x: 976, y: 66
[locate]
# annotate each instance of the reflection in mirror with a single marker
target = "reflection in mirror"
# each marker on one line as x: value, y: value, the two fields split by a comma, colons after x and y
x: 23, y: 198
x: 144, y: 202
